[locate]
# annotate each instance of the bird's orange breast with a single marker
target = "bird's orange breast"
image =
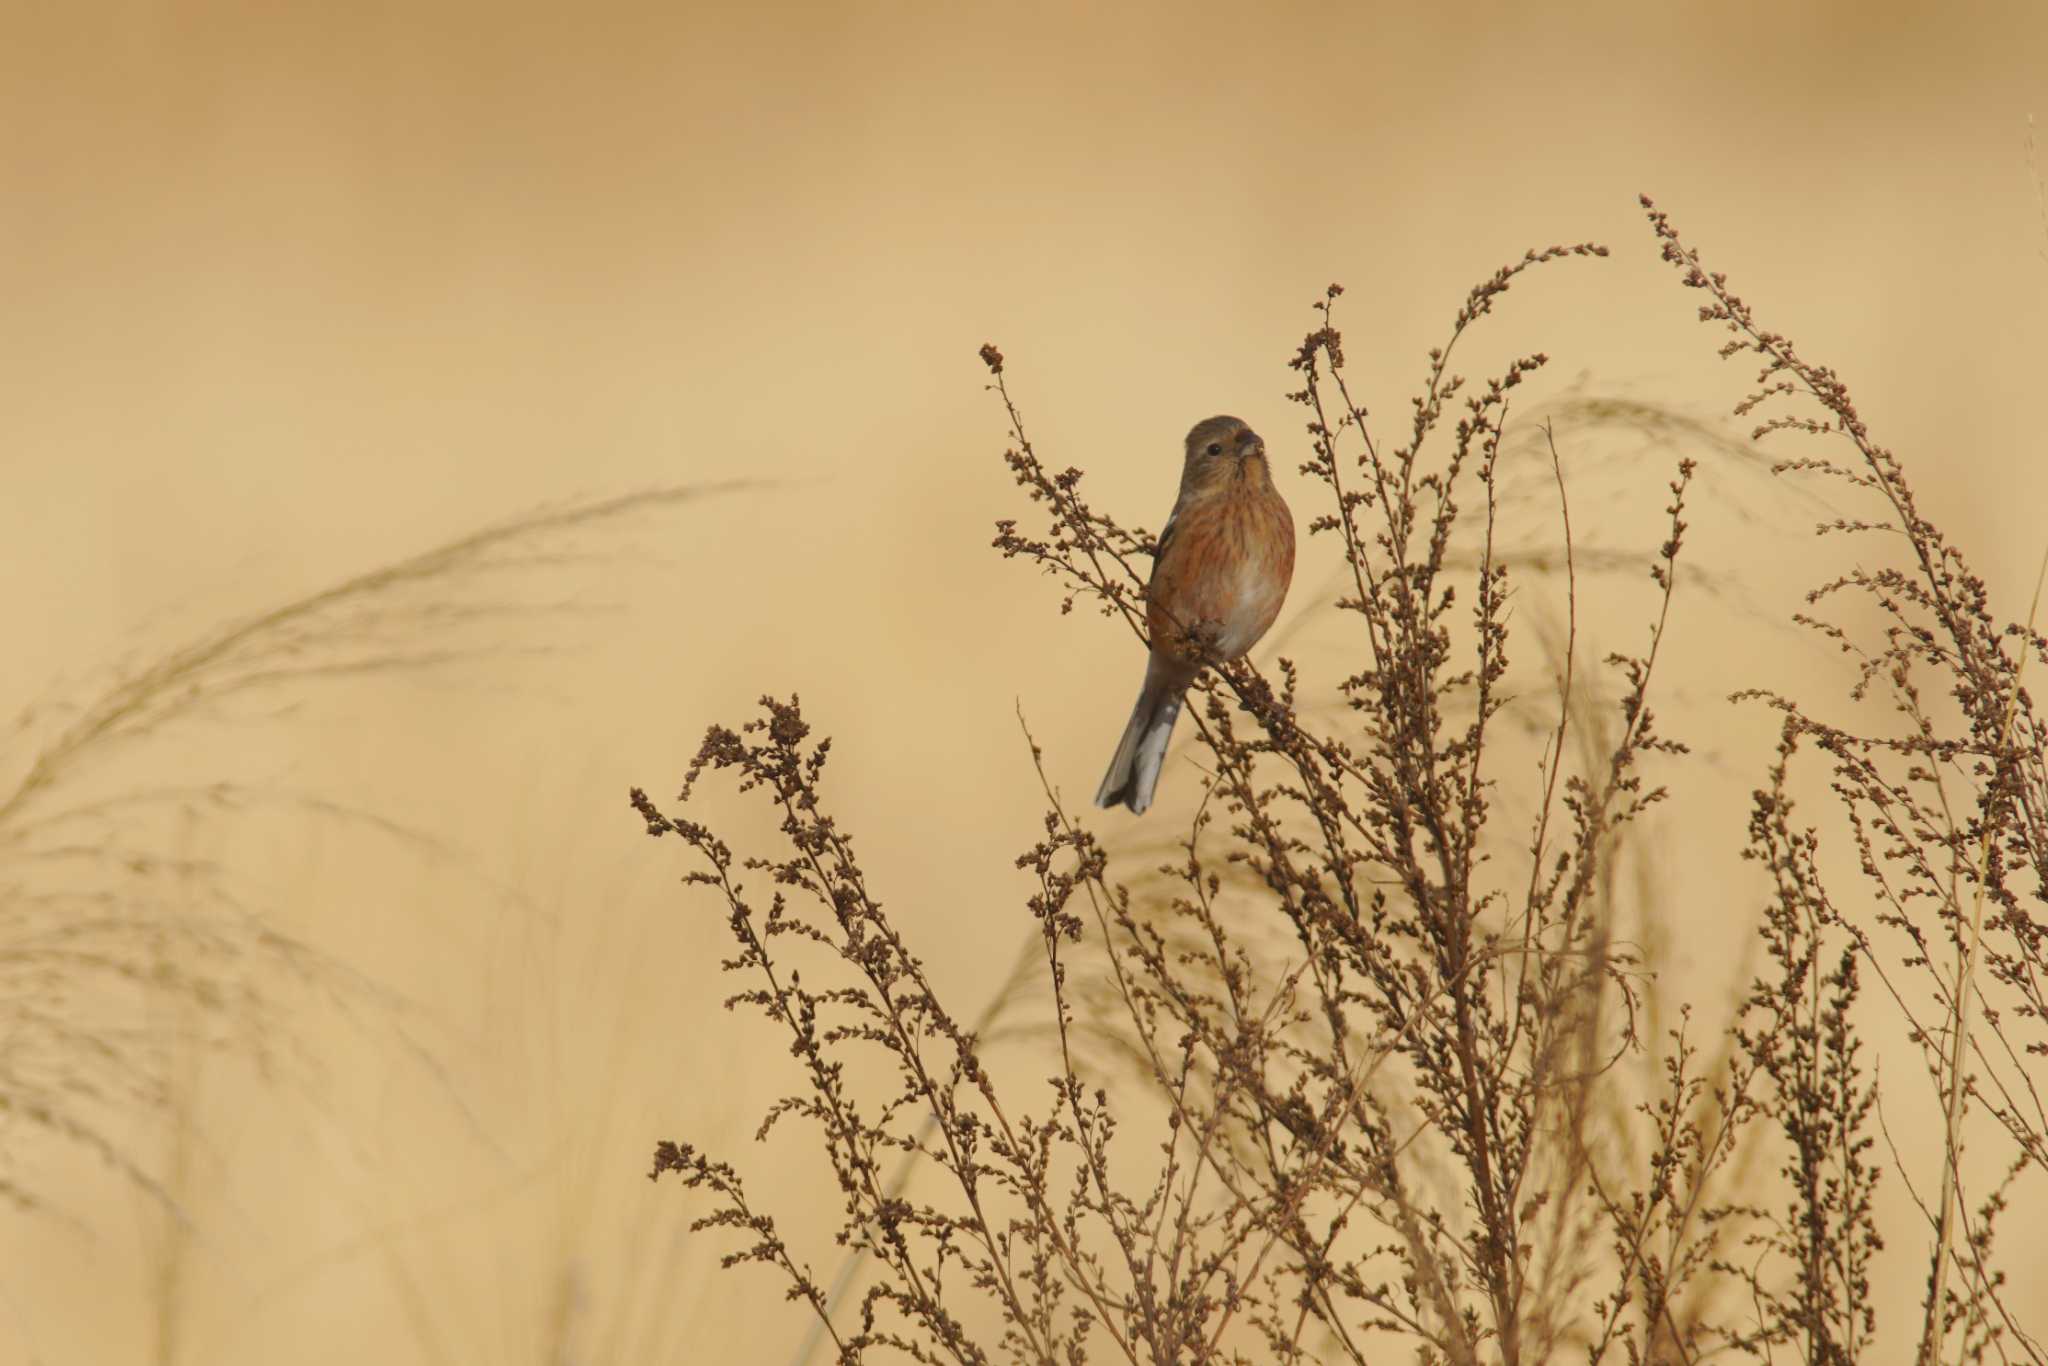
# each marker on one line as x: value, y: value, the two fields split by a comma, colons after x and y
x: 1221, y: 581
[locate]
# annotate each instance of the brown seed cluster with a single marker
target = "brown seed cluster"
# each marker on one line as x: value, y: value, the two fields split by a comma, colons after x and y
x: 1353, y: 1067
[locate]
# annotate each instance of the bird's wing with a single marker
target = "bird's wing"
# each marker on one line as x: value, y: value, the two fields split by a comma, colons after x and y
x: 1166, y: 532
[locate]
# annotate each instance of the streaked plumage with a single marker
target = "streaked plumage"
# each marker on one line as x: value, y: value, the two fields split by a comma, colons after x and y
x: 1225, y: 560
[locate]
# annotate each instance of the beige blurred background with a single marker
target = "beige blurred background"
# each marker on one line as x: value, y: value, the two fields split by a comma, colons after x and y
x: 291, y: 291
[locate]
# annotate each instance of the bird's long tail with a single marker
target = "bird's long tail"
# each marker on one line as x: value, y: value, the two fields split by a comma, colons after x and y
x: 1134, y: 772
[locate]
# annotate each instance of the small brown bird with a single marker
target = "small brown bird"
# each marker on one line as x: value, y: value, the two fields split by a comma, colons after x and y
x: 1222, y: 569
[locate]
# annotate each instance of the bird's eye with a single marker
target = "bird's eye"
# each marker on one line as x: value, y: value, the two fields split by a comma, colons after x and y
x: 1215, y: 448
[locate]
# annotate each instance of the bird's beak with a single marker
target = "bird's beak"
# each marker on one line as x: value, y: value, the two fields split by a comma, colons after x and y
x: 1249, y: 445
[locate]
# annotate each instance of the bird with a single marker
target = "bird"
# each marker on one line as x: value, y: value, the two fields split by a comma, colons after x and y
x: 1219, y: 576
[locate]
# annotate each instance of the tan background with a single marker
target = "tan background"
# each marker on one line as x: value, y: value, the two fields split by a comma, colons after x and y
x: 291, y: 291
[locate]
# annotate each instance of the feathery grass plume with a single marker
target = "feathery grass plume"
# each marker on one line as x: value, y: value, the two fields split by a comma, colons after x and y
x: 129, y: 947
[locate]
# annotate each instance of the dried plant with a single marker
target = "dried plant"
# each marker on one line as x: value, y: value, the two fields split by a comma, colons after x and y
x: 131, y: 946
x: 1944, y: 800
x: 1406, y: 1084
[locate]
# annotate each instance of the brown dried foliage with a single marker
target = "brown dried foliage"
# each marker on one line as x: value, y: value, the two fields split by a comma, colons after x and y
x: 1432, y: 1124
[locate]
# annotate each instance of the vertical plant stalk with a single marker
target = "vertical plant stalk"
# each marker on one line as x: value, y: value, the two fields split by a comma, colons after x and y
x: 1936, y: 1329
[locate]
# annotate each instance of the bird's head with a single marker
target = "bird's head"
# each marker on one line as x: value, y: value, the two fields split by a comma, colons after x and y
x: 1221, y: 451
